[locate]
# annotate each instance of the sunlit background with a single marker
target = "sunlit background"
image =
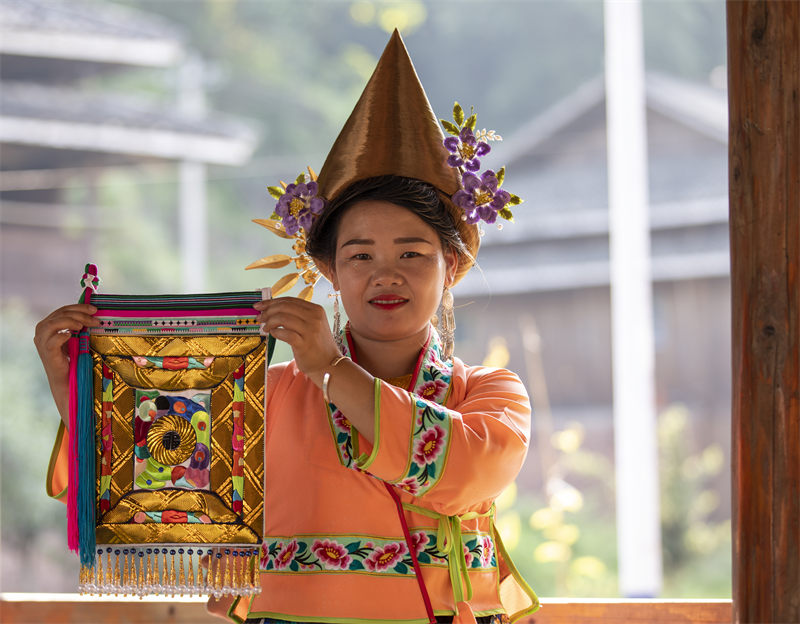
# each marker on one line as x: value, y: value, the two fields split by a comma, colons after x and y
x: 142, y: 135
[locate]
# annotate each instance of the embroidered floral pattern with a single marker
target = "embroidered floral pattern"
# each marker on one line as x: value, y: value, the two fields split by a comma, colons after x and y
x: 387, y: 557
x: 418, y: 541
x: 344, y: 553
x: 433, y: 390
x: 432, y: 422
x: 340, y: 421
x: 487, y: 551
x: 409, y: 485
x: 331, y: 554
x: 344, y: 436
x: 468, y: 556
x: 286, y: 556
x: 429, y: 445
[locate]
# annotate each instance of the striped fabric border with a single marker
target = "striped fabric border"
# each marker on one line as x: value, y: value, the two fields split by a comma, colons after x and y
x: 192, y: 314
x: 204, y: 301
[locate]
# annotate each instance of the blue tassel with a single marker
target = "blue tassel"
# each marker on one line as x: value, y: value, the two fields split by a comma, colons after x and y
x: 86, y: 454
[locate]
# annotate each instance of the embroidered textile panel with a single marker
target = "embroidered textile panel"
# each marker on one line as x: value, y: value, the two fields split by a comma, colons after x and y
x: 178, y: 402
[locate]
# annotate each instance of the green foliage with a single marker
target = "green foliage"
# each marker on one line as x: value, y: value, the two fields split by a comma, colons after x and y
x: 29, y: 424
x: 562, y: 552
x: 276, y: 191
x: 139, y: 212
x: 450, y: 127
x: 458, y: 114
x: 692, y: 528
x: 565, y: 543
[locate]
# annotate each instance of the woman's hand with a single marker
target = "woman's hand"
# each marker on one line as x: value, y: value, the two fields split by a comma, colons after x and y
x: 304, y: 326
x: 51, y: 337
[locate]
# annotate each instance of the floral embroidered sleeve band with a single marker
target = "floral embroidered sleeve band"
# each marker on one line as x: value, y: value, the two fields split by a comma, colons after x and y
x: 441, y: 435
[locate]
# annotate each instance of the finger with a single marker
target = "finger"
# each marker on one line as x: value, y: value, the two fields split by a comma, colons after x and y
x: 70, y: 320
x: 294, y: 307
x: 63, y: 330
x: 291, y: 302
x: 84, y: 308
x: 83, y: 317
x: 268, y: 316
x: 51, y: 337
x: 292, y: 338
x: 291, y: 305
x: 298, y: 324
x: 54, y: 346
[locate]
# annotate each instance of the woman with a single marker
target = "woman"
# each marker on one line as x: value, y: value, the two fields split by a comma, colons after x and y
x: 384, y: 454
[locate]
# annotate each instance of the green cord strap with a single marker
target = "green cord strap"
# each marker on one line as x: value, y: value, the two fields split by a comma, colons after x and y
x: 449, y: 541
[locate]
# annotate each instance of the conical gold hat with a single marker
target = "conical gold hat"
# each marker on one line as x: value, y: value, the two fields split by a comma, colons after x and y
x: 393, y: 131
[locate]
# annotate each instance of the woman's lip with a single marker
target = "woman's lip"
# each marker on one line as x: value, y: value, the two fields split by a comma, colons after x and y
x: 388, y: 302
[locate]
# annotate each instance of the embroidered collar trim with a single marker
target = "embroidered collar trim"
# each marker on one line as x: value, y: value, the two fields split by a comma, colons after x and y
x: 431, y: 381
x: 431, y: 367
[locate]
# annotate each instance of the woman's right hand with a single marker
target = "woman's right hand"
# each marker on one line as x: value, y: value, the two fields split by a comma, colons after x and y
x: 51, y: 337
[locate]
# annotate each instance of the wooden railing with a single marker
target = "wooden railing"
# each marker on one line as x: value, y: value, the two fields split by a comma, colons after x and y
x: 75, y: 609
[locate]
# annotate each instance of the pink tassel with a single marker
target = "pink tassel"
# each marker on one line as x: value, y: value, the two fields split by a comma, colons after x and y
x: 72, y: 487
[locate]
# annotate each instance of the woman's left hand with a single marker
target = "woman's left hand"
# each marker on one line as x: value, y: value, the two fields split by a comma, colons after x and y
x: 304, y: 326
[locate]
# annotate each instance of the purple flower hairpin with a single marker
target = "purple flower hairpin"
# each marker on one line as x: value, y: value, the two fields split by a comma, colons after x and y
x: 297, y: 208
x: 465, y: 150
x: 481, y: 199
x: 480, y: 196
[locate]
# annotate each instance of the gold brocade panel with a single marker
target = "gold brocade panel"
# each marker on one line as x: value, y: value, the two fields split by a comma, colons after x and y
x: 253, y: 512
x: 153, y: 379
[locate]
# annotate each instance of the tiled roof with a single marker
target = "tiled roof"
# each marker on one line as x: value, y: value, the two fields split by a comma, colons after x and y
x: 18, y: 99
x: 64, y: 118
x: 82, y: 17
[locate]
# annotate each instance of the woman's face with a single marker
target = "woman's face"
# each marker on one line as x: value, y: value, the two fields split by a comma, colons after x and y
x: 391, y: 269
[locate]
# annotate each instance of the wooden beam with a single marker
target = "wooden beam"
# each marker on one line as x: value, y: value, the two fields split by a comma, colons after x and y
x: 764, y: 172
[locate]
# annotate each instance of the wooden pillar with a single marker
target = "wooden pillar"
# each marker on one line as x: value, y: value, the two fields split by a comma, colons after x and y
x: 764, y: 176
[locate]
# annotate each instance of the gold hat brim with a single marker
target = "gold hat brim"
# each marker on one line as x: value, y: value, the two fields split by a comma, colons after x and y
x: 393, y: 131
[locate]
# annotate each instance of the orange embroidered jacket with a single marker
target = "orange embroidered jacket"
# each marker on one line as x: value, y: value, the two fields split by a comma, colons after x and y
x: 334, y: 548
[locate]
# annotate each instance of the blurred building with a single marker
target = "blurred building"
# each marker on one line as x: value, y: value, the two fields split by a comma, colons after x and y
x: 56, y: 134
x: 552, y: 265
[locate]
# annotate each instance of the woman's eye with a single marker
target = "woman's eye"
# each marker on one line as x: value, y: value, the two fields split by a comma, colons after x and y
x: 410, y: 254
x: 360, y: 256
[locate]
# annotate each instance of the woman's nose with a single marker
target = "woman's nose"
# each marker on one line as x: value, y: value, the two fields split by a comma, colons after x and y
x: 386, y: 274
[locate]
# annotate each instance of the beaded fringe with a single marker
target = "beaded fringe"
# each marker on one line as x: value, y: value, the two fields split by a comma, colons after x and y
x: 174, y: 570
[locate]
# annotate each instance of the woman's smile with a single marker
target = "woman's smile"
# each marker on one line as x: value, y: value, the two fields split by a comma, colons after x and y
x: 388, y: 301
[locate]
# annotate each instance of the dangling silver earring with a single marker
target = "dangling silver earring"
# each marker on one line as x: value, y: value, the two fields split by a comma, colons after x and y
x: 447, y: 323
x: 337, y: 322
